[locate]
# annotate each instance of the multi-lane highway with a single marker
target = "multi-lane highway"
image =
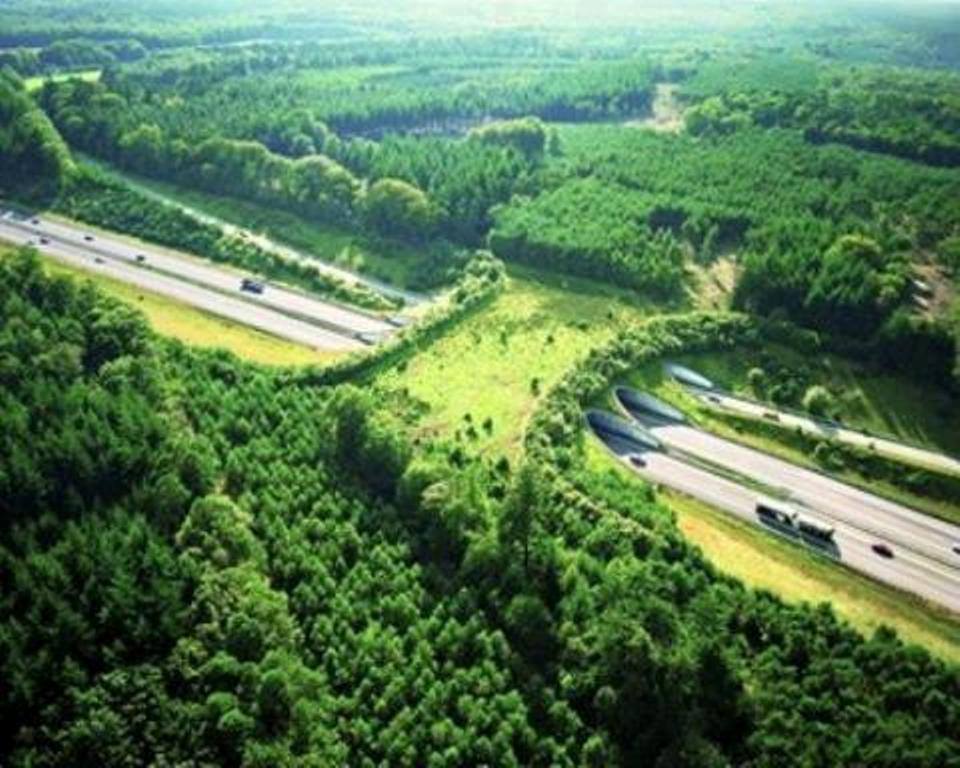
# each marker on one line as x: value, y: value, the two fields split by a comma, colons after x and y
x: 280, y: 311
x: 924, y: 561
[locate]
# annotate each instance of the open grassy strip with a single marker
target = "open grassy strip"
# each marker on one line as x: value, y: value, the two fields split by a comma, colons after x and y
x: 495, y: 365
x: 391, y: 262
x: 755, y: 435
x: 879, y: 402
x: 763, y: 561
x: 169, y: 317
x: 36, y: 83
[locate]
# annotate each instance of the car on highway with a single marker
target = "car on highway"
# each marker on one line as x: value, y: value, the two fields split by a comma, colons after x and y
x: 88, y: 238
x: 713, y: 399
x: 637, y: 459
x: 956, y: 548
x: 140, y: 258
x: 366, y: 337
x: 97, y: 260
x: 251, y: 286
x: 771, y: 415
x: 35, y: 222
x: 44, y: 241
x: 882, y: 549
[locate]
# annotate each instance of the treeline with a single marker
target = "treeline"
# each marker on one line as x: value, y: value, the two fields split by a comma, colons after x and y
x: 419, y: 189
x: 71, y: 53
x: 96, y: 199
x: 593, y: 229
x: 825, y: 235
x: 34, y: 161
x: 907, y: 113
x: 359, y: 91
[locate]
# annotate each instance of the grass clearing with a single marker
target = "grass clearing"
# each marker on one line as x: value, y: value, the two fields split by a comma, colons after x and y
x: 486, y: 367
x: 193, y: 326
x: 763, y: 561
x: 36, y: 83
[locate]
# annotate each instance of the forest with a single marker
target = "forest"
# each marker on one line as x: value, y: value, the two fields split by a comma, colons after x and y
x: 212, y: 562
x: 261, y: 572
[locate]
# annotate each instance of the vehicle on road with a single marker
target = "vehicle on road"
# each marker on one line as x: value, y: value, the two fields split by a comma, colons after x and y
x: 88, y: 238
x: 35, y: 222
x: 251, y: 286
x: 777, y: 513
x: 956, y: 548
x: 771, y: 415
x: 44, y: 240
x: 637, y: 459
x: 815, y: 529
x: 397, y: 321
x: 367, y: 338
x: 97, y: 260
x: 713, y: 399
x: 140, y: 258
x: 882, y: 549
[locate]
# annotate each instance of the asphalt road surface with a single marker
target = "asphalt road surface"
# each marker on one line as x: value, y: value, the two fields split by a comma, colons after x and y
x: 883, y: 446
x: 231, y: 304
x: 212, y: 288
x: 886, y: 521
x: 907, y: 570
x: 923, y: 561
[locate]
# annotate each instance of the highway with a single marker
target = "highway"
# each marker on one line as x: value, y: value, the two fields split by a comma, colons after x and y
x: 894, y: 449
x: 923, y: 561
x: 907, y: 571
x: 280, y: 311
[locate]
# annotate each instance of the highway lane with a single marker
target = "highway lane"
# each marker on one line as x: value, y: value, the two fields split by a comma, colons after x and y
x: 884, y: 446
x: 332, y: 316
x: 909, y: 572
x: 237, y: 309
x: 886, y: 521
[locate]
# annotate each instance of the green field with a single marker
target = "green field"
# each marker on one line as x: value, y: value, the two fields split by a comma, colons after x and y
x: 764, y: 561
x: 486, y: 367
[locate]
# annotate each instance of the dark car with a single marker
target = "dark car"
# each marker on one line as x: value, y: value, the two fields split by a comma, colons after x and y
x: 44, y: 240
x: 97, y: 260
x: 140, y: 257
x: 251, y: 286
x: 637, y: 460
x: 956, y: 548
x: 882, y: 549
x: 35, y: 222
x: 88, y: 238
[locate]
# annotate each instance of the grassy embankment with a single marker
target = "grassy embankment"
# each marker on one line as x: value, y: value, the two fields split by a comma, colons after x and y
x: 391, y: 262
x: 763, y: 561
x: 193, y: 326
